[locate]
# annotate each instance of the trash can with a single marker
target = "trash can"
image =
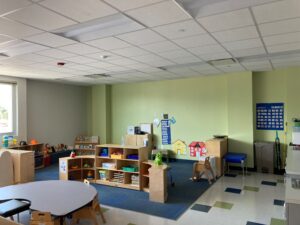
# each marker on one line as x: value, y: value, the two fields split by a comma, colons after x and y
x: 264, y: 156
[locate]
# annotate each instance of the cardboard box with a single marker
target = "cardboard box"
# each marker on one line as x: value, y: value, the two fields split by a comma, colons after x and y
x: 147, y: 128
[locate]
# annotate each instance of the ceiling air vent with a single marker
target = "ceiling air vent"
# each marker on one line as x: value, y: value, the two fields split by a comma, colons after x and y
x: 97, y: 76
x: 222, y: 62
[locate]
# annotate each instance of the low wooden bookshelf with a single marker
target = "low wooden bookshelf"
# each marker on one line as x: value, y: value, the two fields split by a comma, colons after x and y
x: 86, y: 145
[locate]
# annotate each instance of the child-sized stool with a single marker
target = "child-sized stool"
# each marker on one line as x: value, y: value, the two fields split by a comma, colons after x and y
x: 231, y: 157
x: 203, y: 167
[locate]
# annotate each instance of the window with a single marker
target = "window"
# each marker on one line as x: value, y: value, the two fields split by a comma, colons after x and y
x: 7, y: 108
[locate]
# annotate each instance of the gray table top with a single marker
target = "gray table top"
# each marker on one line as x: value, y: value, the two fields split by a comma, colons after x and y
x: 55, y: 196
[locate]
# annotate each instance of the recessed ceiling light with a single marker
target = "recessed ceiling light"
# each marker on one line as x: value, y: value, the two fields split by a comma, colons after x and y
x: 100, y: 28
x: 104, y: 56
x: 222, y: 62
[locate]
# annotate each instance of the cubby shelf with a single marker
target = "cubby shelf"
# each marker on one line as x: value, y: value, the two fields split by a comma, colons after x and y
x: 114, y: 168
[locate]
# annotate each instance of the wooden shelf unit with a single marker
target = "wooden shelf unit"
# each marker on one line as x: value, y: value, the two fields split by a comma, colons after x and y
x: 117, y: 158
x: 76, y: 168
x: 154, y: 181
x: 86, y: 145
x: 38, y: 150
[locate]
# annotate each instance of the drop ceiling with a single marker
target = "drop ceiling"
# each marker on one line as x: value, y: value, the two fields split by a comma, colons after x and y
x: 145, y: 40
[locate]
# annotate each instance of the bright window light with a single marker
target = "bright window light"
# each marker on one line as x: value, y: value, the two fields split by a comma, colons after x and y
x: 7, y: 101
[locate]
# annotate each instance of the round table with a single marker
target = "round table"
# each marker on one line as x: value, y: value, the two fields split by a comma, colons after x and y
x: 59, y: 197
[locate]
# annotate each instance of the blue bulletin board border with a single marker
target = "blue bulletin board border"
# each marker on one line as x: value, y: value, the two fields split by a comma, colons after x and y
x: 270, y: 116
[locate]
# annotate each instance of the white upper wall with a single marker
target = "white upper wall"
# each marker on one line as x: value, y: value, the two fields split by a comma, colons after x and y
x: 56, y: 112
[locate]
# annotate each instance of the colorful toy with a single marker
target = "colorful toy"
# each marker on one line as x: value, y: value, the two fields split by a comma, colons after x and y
x: 158, y: 159
x: 72, y: 155
x: 89, y: 175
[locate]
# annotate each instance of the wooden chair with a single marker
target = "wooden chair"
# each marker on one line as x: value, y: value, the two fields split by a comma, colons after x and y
x: 89, y: 212
x: 203, y: 167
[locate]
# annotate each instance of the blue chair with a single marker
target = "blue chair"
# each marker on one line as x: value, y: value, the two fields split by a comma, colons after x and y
x: 231, y: 157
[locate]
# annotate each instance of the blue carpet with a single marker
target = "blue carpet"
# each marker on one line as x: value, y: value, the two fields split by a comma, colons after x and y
x: 180, y: 197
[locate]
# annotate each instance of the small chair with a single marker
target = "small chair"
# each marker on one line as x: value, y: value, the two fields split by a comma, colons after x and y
x: 9, y: 208
x: 203, y: 167
x: 89, y: 212
x: 231, y: 157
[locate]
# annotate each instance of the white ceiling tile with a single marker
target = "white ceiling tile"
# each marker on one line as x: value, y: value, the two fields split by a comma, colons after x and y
x: 161, y: 47
x: 56, y: 53
x: 201, y: 67
x: 262, y: 65
x: 103, y: 56
x: 49, y: 39
x: 80, y: 49
x: 158, y: 14
x: 283, y: 47
x: 130, y: 4
x: 277, y: 11
x: 282, y: 39
x: 180, y: 29
x: 80, y: 10
x: 101, y: 65
x: 226, y: 21
x: 236, y: 34
x: 138, y: 66
x: 214, y: 56
x: 248, y: 52
x: 244, y: 44
x: 175, y: 54
x: 150, y: 69
x: 207, y: 49
x: 280, y: 27
x: 15, y: 29
x: 10, y: 5
x: 147, y: 58
x: 130, y: 51
x: 5, y: 38
x: 285, y: 64
x: 117, y: 68
x: 195, y: 41
x: 286, y: 58
x: 40, y: 17
x: 141, y: 37
x: 123, y: 62
x: 108, y: 43
x: 159, y: 63
x: 185, y: 60
x: 81, y: 59
x: 15, y: 48
x: 34, y: 58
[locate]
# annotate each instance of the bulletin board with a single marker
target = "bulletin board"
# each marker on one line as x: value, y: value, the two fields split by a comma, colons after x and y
x: 270, y: 116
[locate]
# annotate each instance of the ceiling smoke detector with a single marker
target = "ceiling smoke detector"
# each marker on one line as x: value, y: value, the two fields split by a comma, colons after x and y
x: 222, y: 62
x: 97, y: 76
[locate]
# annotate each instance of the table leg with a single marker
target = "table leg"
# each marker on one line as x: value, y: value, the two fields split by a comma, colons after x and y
x: 243, y: 166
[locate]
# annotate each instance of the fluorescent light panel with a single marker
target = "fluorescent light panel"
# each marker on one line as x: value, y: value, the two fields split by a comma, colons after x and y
x: 100, y: 28
x: 197, y: 8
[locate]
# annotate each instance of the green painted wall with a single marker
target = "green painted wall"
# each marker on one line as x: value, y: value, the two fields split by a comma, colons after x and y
x: 100, y: 112
x: 240, y: 114
x: 199, y: 106
x: 281, y: 85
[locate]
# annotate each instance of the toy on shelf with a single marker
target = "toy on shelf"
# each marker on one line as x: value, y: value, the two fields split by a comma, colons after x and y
x: 89, y: 175
x: 86, y: 165
x: 158, y: 159
x: 103, y: 152
x: 72, y: 155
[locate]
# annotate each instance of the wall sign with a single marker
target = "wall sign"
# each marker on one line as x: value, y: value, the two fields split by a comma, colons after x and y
x: 165, y: 132
x: 270, y: 116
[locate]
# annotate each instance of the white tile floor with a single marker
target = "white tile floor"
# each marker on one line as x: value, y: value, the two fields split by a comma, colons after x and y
x: 247, y: 206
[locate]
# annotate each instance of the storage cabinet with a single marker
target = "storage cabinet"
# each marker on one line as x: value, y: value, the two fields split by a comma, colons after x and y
x: 264, y: 156
x: 119, y: 166
x: 154, y: 180
x: 85, y: 145
x: 78, y: 168
x: 23, y: 165
x: 38, y: 153
x: 217, y: 147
